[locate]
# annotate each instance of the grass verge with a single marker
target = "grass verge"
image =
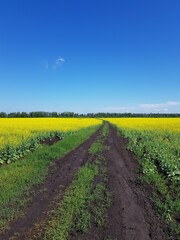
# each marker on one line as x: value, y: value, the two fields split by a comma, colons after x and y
x: 73, y: 206
x: 17, y: 178
x: 86, y: 200
x: 157, y: 154
x: 97, y: 147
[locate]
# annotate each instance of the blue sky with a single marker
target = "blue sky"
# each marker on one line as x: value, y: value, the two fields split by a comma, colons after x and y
x: 90, y: 56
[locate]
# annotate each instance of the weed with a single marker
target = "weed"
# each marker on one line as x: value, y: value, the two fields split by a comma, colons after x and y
x: 17, y: 178
x: 73, y: 206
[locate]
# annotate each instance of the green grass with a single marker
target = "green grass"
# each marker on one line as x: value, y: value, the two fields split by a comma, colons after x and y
x: 73, y: 206
x: 17, y: 178
x: 100, y: 198
x: 85, y: 201
x: 158, y: 156
x: 80, y: 207
x: 97, y: 146
x: 11, y: 154
x: 105, y: 130
x: 100, y: 201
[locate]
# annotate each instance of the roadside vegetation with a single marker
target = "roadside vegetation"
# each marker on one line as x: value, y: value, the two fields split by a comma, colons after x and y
x: 81, y: 207
x: 17, y: 178
x: 72, y: 211
x: 86, y: 200
x: 20, y: 136
x: 156, y: 144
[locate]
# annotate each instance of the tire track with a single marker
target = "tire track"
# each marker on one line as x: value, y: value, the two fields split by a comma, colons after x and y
x: 131, y: 215
x: 57, y: 181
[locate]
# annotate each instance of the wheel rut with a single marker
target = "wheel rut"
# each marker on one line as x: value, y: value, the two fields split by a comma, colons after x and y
x: 131, y: 215
x: 58, y: 179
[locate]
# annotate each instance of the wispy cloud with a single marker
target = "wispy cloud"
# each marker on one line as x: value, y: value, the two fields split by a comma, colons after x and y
x: 160, y: 107
x: 58, y: 63
x: 166, y: 107
x: 53, y: 65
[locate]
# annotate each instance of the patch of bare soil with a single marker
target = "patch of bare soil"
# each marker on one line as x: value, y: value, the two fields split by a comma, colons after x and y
x: 131, y: 215
x: 58, y: 179
x: 50, y: 141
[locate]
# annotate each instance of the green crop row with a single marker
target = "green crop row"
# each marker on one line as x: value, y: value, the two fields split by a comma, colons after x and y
x: 161, y: 148
x: 158, y: 153
x: 10, y: 154
x: 18, y: 178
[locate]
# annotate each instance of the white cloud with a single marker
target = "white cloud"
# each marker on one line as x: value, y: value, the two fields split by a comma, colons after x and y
x: 166, y: 107
x: 160, y: 107
x: 173, y: 103
x: 58, y: 63
x: 53, y: 65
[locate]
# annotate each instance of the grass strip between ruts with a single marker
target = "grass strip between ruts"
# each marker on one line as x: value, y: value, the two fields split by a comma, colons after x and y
x: 84, y: 201
x: 17, y: 179
x: 74, y: 200
x: 151, y: 149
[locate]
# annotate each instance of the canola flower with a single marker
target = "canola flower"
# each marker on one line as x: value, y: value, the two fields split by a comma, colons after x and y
x: 156, y: 144
x: 155, y: 141
x: 15, y: 130
x: 161, y: 124
x: 18, y: 136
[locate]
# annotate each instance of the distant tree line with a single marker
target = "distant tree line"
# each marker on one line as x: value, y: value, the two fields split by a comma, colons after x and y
x: 42, y: 114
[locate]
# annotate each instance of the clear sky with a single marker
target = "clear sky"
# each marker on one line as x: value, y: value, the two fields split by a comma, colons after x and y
x: 90, y: 55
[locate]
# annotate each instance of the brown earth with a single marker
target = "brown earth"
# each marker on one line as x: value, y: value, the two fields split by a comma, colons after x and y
x: 59, y: 177
x: 131, y: 215
x: 50, y: 141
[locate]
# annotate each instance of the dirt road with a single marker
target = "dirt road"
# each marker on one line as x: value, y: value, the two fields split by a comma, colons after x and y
x: 131, y: 215
x: 59, y: 177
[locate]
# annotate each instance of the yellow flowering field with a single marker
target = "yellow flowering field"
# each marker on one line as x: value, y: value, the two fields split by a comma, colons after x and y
x: 15, y: 130
x: 19, y: 136
x: 167, y: 124
x: 156, y: 140
x: 156, y: 144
